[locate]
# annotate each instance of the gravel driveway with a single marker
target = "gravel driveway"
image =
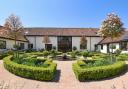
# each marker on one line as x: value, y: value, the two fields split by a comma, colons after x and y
x: 65, y: 79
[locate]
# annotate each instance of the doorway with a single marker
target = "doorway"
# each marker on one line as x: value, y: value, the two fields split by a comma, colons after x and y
x: 64, y: 43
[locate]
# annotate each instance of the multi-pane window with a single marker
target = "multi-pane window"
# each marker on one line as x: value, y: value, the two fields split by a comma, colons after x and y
x: 124, y: 45
x: 83, y: 46
x: 30, y: 46
x: 48, y: 46
x: 2, y: 44
x: 21, y: 45
x: 101, y: 46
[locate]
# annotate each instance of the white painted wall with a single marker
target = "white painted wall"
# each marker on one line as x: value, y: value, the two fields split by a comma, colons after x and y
x: 94, y: 41
x: 91, y: 41
x: 117, y: 47
x: 38, y: 44
x: 10, y: 43
x: 76, y: 42
x: 104, y: 50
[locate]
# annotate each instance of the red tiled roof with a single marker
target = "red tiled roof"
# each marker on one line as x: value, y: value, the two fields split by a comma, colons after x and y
x: 62, y: 31
x: 123, y: 37
x: 4, y: 33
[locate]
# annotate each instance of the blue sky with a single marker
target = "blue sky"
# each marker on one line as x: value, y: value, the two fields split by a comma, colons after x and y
x: 63, y: 13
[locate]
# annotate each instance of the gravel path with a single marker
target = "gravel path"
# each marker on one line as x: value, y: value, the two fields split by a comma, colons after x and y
x: 65, y: 79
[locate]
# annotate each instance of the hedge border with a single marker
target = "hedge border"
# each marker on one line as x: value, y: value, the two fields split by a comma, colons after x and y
x: 97, y: 73
x: 37, y: 73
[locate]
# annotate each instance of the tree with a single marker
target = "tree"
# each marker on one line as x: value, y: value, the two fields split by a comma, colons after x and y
x: 111, y: 27
x: 83, y: 42
x: 14, y: 26
x: 46, y: 40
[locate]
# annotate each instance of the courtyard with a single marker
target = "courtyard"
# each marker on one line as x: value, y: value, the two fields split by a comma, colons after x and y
x: 63, y: 44
x: 65, y: 79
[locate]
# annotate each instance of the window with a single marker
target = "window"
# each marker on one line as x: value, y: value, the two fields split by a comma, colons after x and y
x: 83, y: 46
x: 30, y: 46
x: 21, y: 45
x: 101, y: 46
x: 96, y: 47
x: 2, y: 44
x: 124, y: 46
x: 48, y: 46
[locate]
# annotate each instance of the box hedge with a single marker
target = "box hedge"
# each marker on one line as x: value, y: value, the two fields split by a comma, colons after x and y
x: 100, y: 72
x: 37, y: 73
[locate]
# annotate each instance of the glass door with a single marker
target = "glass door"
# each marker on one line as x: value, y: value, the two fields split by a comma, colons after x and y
x: 64, y: 43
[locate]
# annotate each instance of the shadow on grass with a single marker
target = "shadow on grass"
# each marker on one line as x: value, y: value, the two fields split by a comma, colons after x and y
x: 119, y: 75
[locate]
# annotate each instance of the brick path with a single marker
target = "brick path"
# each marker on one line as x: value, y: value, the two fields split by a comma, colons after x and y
x: 65, y: 79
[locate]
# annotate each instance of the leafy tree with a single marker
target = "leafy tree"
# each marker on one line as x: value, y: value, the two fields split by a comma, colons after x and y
x: 111, y: 27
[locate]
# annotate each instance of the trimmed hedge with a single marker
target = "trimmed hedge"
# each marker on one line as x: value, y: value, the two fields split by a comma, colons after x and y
x: 37, y: 73
x: 3, y: 55
x: 96, y: 73
x: 122, y: 57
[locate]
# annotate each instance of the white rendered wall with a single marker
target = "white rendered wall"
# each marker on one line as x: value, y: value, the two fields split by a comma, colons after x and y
x: 10, y: 43
x: 94, y: 41
x: 76, y: 42
x: 104, y: 50
x: 117, y: 47
x: 38, y: 44
x: 91, y: 41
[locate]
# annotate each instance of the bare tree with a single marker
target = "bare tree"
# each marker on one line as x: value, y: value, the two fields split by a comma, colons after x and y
x: 83, y: 42
x: 46, y: 40
x: 14, y: 26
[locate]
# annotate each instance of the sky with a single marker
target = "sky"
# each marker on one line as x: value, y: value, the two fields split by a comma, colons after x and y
x: 63, y: 13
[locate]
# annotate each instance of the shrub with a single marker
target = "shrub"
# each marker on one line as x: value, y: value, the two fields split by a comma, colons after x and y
x: 37, y: 73
x: 81, y: 63
x: 112, y: 46
x: 45, y: 53
x: 3, y: 55
x: 117, y: 52
x: 73, y: 54
x: 54, y: 47
x: 100, y: 72
x: 10, y: 52
x: 30, y: 50
x: 53, y: 53
x: 90, y: 54
x: 74, y: 48
x: 41, y: 50
x: 85, y: 53
x: 122, y: 57
x: 16, y: 46
x: 59, y: 53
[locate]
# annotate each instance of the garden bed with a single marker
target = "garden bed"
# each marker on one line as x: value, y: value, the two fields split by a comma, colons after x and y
x: 84, y: 73
x: 32, y: 72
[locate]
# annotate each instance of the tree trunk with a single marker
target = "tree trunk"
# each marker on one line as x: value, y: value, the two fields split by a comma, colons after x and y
x: 112, y: 50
